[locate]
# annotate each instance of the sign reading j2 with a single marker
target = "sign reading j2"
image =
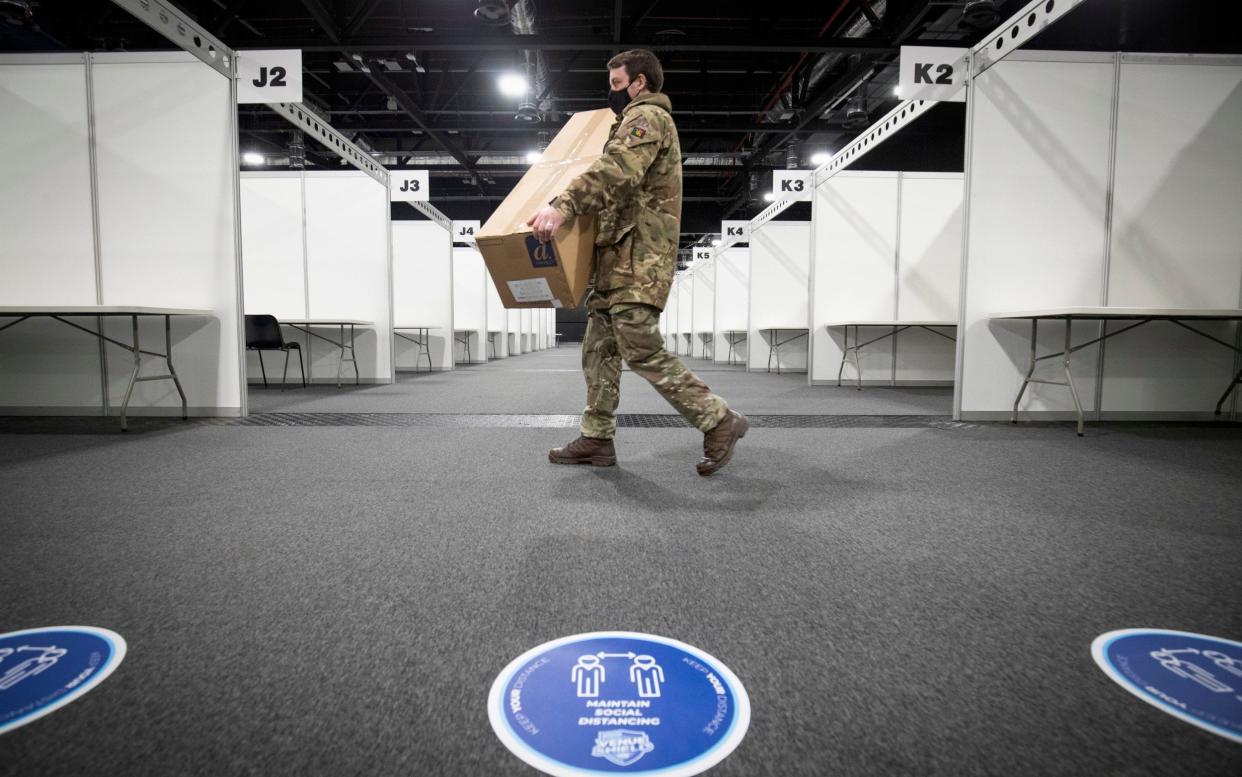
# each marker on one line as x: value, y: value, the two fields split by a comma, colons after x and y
x: 618, y: 702
x: 541, y: 254
x: 42, y: 670
x: 269, y: 76
x: 1191, y: 676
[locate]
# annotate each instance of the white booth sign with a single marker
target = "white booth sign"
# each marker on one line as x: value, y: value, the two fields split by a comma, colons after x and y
x: 702, y: 253
x: 735, y: 230
x: 269, y: 76
x: 409, y: 185
x: 933, y: 73
x: 464, y: 231
x: 792, y: 184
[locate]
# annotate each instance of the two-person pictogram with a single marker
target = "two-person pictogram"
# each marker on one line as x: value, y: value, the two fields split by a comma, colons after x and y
x: 589, y: 674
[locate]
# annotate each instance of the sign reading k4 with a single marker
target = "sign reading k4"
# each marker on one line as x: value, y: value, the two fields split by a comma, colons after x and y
x: 269, y: 76
x: 409, y: 185
x: 792, y: 184
x: 933, y: 73
x: 738, y: 231
x: 464, y: 231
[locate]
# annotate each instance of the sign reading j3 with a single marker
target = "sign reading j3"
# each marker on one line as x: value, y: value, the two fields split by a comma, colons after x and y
x: 410, y: 186
x: 269, y: 76
x: 933, y: 73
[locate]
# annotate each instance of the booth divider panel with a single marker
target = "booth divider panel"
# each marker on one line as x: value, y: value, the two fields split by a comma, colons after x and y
x: 423, y: 289
x: 780, y: 262
x: 273, y: 256
x: 732, y: 300
x: 929, y: 273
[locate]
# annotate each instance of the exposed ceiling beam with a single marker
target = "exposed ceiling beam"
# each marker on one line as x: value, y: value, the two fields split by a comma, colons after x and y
x: 324, y: 18
x: 732, y: 44
x: 414, y: 112
x: 512, y: 128
x: 365, y: 9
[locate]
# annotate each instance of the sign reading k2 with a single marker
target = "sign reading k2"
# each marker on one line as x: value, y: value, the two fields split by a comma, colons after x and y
x: 933, y: 73
x: 269, y: 76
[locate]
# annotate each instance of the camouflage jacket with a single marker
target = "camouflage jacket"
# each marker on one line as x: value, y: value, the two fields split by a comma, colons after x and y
x: 635, y: 187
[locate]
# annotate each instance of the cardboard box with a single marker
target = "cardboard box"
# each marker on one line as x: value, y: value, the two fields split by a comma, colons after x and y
x: 528, y: 274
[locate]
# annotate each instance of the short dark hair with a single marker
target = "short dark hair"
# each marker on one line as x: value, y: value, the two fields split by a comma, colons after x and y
x: 640, y: 62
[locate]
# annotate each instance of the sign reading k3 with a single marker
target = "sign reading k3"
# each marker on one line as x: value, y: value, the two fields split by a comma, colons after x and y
x: 409, y: 186
x: 1191, y: 676
x: 933, y: 73
x: 618, y: 702
x: 269, y: 76
x: 42, y: 670
x: 791, y: 184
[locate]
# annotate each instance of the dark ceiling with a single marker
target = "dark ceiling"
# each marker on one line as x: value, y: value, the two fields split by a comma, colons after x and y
x: 415, y: 80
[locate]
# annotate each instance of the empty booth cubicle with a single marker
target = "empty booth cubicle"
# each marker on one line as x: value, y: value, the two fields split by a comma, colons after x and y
x: 422, y: 256
x: 731, y: 309
x: 685, y: 313
x: 886, y: 271
x: 779, y: 283
x: 470, y: 281
x: 704, y: 306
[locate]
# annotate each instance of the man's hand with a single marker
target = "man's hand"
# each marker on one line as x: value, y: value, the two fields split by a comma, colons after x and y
x: 545, y: 222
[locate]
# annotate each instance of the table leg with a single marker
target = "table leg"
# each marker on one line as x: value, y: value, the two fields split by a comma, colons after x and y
x: 185, y: 413
x: 1236, y: 380
x: 1030, y: 370
x: 1069, y: 379
x: 340, y: 362
x: 858, y: 357
x: 353, y: 355
x: 133, y: 377
x: 845, y: 352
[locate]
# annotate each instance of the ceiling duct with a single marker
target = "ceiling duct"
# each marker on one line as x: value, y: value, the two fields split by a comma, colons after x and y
x: 534, y: 107
x: 979, y: 15
x: 792, y: 156
x: 493, y: 13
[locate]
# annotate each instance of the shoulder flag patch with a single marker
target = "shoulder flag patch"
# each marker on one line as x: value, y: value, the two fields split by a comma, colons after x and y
x: 638, y: 132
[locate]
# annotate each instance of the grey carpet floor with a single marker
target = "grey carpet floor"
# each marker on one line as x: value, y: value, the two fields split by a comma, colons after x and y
x: 337, y: 601
x: 551, y: 382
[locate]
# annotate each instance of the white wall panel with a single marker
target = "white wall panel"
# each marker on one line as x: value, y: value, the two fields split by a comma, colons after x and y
x: 166, y: 168
x: 780, y: 262
x: 672, y: 318
x: 732, y: 308
x: 497, y: 320
x: 1177, y: 236
x: 47, y: 247
x: 855, y: 223
x: 273, y: 255
x: 704, y: 296
x: 423, y: 289
x: 347, y: 267
x: 685, y: 313
x: 1039, y: 167
x: 470, y: 301
x: 528, y: 329
x: 929, y: 273
x: 513, y: 319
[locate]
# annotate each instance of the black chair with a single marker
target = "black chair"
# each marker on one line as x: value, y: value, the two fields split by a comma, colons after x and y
x: 263, y: 334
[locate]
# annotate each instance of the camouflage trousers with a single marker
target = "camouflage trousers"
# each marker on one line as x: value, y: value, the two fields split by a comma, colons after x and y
x: 632, y: 332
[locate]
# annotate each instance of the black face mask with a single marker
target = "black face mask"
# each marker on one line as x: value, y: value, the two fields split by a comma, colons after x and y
x: 618, y: 99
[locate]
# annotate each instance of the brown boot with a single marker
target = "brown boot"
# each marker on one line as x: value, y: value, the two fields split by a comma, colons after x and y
x: 585, y: 450
x: 718, y: 444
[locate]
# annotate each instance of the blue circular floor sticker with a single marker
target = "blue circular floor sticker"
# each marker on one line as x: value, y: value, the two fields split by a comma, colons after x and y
x: 616, y: 702
x: 42, y: 670
x: 1193, y: 676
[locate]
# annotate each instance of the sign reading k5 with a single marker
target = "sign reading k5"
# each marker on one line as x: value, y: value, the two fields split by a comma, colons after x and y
x: 269, y: 76
x: 702, y: 254
x: 409, y: 185
x: 933, y: 73
x: 791, y: 184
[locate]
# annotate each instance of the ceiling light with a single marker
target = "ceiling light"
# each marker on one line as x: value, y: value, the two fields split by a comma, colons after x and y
x: 512, y: 85
x: 821, y: 157
x: 715, y: 242
x: 254, y: 158
x: 532, y: 157
x: 769, y: 196
x: 897, y: 91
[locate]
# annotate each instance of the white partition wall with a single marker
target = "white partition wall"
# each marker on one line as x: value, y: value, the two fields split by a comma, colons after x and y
x: 887, y: 247
x: 470, y: 282
x: 528, y: 328
x: 1045, y: 120
x: 685, y: 313
x: 317, y: 247
x: 732, y: 303
x: 347, y: 269
x: 274, y: 243
x: 780, y: 265
x: 497, y: 321
x: 704, y: 302
x: 163, y: 213
x: 422, y: 258
x: 671, y: 320
x: 513, y: 322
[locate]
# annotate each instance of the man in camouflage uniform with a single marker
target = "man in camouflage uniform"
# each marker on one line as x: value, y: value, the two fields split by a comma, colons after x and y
x: 635, y: 188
